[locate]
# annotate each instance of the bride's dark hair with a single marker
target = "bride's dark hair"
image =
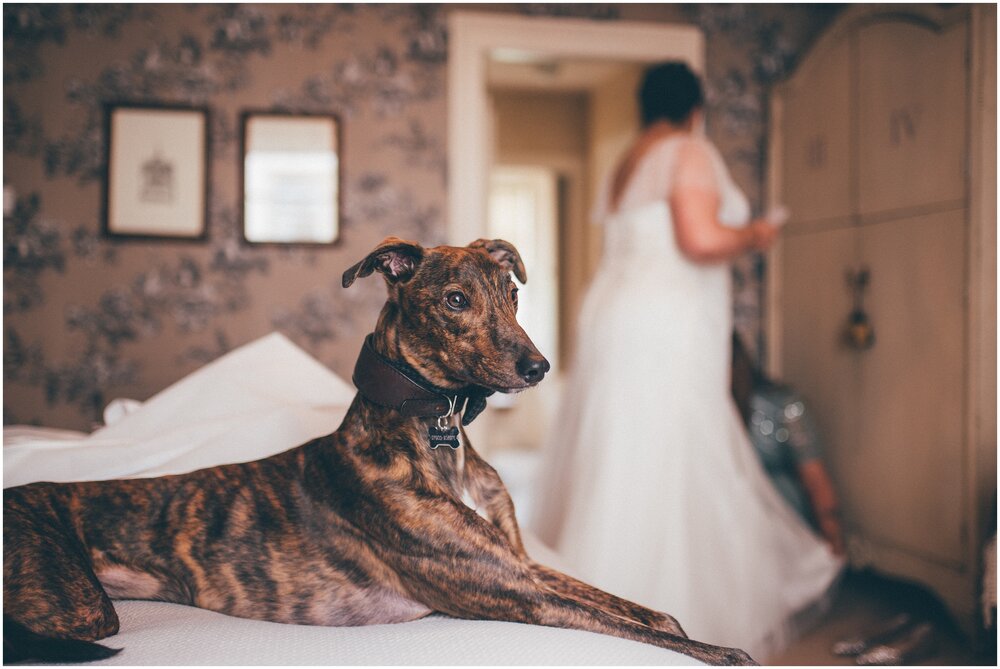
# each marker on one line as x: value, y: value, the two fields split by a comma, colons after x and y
x: 669, y: 91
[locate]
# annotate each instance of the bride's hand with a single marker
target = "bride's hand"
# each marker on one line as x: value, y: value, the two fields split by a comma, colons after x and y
x: 777, y: 215
x: 762, y: 234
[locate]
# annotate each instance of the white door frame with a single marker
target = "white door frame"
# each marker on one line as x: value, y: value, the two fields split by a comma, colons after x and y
x: 471, y: 37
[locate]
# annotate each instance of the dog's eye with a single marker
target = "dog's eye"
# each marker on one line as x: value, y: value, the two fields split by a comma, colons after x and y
x: 456, y: 300
x: 513, y: 295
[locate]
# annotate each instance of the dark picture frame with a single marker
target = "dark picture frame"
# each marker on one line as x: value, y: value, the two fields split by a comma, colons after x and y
x: 156, y: 172
x: 291, y: 178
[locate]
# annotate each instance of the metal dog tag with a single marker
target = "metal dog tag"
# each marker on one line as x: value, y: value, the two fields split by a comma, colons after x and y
x: 438, y: 436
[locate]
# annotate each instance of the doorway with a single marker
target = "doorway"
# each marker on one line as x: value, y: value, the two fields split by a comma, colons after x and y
x: 473, y: 37
x: 524, y: 210
x: 508, y: 77
x: 559, y: 124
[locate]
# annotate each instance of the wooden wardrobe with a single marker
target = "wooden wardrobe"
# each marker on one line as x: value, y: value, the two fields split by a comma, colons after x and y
x: 884, y: 150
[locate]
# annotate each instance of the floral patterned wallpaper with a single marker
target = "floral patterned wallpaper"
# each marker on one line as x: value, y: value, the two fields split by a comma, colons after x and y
x: 87, y: 318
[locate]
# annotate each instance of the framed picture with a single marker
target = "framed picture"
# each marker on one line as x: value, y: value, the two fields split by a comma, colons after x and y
x: 291, y: 178
x: 156, y: 185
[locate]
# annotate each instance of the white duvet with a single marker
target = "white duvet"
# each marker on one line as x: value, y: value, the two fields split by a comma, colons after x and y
x: 261, y: 399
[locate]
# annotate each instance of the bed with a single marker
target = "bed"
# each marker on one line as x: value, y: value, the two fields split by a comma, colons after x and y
x: 260, y: 399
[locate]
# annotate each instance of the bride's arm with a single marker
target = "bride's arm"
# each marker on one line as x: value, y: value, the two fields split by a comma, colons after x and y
x: 694, y: 204
x: 702, y: 238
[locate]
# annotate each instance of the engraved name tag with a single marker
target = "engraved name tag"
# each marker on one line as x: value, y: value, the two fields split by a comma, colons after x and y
x: 448, y: 437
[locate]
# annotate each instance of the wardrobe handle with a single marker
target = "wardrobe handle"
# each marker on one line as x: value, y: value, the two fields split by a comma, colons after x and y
x: 859, y: 333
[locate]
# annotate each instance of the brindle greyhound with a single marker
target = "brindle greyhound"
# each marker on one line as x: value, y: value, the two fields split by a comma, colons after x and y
x: 366, y: 525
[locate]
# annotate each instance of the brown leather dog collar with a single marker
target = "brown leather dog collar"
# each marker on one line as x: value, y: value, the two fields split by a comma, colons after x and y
x: 395, y: 385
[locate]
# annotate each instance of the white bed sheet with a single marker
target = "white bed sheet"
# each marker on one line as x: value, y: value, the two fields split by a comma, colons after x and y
x: 264, y: 398
x: 258, y: 400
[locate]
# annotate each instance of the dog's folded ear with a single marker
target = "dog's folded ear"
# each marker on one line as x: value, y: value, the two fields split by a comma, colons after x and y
x: 505, y: 254
x: 395, y: 258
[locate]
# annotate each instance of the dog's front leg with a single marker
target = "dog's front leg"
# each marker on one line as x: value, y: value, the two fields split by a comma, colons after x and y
x: 464, y: 567
x: 489, y: 493
x: 561, y: 611
x: 571, y: 587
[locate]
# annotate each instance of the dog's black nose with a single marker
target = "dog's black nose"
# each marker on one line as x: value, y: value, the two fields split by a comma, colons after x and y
x: 532, y: 368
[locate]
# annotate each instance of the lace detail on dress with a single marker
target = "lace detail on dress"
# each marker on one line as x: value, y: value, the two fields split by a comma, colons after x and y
x: 680, y: 161
x: 694, y: 168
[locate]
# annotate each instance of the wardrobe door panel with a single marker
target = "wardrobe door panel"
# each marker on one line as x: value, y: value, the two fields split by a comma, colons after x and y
x: 908, y: 469
x: 912, y: 112
x: 815, y: 304
x: 815, y: 134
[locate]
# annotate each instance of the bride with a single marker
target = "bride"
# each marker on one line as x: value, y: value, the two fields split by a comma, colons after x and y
x: 650, y: 488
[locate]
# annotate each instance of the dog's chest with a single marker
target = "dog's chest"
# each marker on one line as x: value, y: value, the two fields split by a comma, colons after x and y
x: 455, y: 473
x: 449, y: 464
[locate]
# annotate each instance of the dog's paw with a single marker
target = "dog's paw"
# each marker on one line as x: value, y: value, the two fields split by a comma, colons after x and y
x: 739, y: 658
x: 734, y: 657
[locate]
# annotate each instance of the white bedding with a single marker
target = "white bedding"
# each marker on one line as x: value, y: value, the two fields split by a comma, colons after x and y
x: 261, y: 399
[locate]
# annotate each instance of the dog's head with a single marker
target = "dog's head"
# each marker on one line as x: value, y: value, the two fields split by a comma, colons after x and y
x: 451, y: 312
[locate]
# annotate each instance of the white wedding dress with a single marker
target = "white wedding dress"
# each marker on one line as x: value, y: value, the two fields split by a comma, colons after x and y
x: 650, y: 488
